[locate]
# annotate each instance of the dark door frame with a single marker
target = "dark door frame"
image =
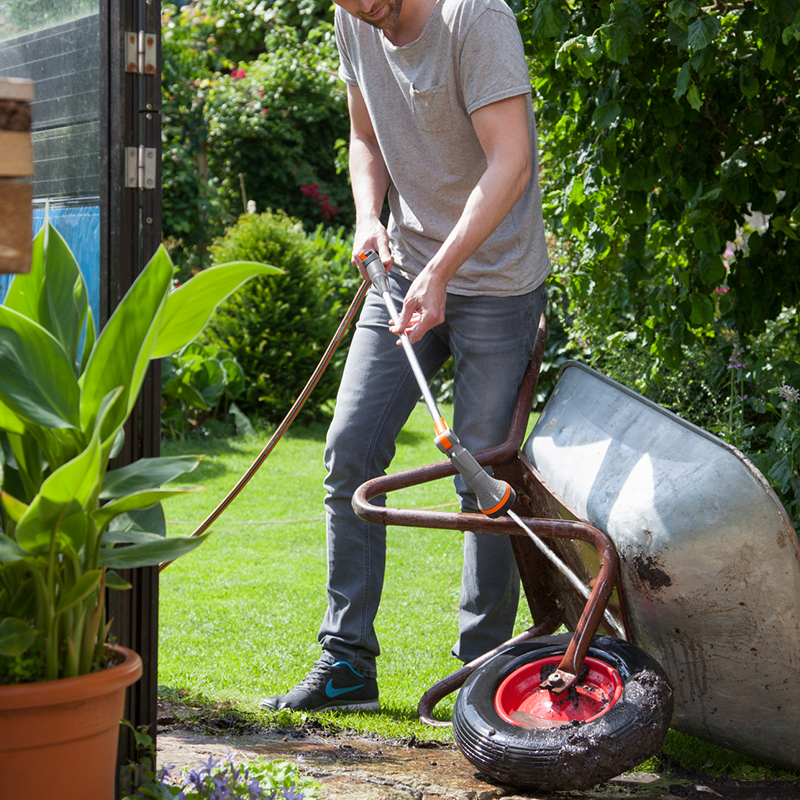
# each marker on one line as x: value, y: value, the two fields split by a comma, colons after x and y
x: 130, y: 117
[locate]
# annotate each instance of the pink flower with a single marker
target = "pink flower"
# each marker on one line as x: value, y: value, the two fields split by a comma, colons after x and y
x: 722, y: 290
x: 238, y: 74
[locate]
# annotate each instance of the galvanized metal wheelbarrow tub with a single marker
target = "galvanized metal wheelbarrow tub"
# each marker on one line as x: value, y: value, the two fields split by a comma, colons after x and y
x: 702, y: 558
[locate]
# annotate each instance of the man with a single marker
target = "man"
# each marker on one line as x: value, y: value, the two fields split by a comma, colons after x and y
x: 441, y: 118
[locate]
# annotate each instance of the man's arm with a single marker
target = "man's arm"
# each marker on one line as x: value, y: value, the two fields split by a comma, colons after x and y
x: 369, y: 179
x: 502, y: 129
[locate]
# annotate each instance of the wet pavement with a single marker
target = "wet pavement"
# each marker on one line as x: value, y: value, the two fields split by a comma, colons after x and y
x: 352, y: 768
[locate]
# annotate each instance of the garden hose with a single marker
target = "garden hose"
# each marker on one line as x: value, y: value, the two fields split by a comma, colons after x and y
x: 495, y: 497
x: 290, y: 416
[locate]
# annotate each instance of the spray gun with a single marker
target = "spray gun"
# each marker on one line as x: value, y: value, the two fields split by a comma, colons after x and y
x: 495, y: 497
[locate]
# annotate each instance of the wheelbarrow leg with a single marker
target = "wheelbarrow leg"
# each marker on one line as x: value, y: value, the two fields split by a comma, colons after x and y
x: 448, y: 685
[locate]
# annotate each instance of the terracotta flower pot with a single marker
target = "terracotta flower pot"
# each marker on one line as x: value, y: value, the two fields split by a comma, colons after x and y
x: 59, y: 738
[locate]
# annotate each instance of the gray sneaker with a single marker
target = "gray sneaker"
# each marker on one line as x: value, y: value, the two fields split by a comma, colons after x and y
x: 329, y: 687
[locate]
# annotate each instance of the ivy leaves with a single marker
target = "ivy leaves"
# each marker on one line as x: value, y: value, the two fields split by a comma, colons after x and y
x: 669, y: 137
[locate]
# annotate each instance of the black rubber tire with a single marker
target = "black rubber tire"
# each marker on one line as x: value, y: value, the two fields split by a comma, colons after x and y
x: 576, y: 755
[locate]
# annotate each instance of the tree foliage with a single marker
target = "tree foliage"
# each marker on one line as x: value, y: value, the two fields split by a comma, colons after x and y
x: 671, y: 161
x: 252, y: 109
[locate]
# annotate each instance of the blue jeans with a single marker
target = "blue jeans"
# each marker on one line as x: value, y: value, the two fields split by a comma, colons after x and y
x: 491, y: 341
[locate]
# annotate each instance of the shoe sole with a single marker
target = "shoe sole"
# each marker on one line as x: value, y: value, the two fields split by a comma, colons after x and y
x: 365, y: 705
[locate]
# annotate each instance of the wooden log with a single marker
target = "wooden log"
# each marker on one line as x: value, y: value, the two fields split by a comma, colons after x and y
x: 16, y: 161
x: 16, y: 154
x: 17, y: 89
x: 16, y: 226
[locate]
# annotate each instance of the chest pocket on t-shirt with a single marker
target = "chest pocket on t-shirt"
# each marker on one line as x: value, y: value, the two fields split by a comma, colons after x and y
x: 432, y: 108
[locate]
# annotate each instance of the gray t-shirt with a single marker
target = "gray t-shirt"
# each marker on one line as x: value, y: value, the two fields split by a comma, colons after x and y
x: 419, y: 98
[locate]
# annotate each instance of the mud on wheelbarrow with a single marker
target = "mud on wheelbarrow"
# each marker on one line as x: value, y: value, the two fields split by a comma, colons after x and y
x: 693, y: 619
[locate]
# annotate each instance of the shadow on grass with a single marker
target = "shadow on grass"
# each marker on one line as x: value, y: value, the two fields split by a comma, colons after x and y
x: 185, y: 709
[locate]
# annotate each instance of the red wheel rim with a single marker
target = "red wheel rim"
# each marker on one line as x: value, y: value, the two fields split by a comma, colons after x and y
x: 520, y: 700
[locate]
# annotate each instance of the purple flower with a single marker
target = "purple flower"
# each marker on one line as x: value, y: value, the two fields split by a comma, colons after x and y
x: 735, y: 362
x: 789, y: 393
x: 195, y: 779
x: 256, y: 792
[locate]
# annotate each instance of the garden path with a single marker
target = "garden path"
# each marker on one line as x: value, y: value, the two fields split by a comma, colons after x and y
x: 357, y: 768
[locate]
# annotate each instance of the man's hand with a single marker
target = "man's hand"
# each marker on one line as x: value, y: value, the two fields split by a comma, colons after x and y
x: 371, y: 236
x: 423, y: 307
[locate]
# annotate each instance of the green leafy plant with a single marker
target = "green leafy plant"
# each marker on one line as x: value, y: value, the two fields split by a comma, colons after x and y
x: 65, y: 395
x: 275, y: 121
x: 213, y: 780
x: 267, y: 780
x: 198, y: 383
x: 279, y: 330
x: 763, y: 419
x: 668, y: 136
x: 781, y: 461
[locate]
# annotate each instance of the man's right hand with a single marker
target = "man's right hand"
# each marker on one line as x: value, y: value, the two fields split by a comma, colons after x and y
x: 373, y: 236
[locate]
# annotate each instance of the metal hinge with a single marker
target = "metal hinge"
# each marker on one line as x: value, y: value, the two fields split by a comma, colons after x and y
x: 140, y: 52
x: 140, y: 167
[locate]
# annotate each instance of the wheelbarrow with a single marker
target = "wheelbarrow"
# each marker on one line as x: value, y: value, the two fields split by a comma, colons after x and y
x: 671, y: 564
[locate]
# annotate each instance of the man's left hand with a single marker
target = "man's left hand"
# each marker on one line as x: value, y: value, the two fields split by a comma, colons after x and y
x: 423, y: 307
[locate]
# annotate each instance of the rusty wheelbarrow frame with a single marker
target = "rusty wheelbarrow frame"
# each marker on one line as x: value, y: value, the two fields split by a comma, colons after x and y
x: 681, y: 538
x: 542, y: 514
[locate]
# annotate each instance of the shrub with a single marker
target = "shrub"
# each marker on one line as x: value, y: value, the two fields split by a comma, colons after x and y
x: 249, y: 110
x: 275, y: 122
x: 746, y: 393
x: 279, y: 330
x: 667, y: 146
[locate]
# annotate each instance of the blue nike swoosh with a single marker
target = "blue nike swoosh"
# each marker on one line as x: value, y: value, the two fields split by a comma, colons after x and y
x: 332, y: 691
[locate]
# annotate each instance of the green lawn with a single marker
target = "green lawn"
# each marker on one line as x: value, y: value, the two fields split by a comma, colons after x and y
x: 239, y: 616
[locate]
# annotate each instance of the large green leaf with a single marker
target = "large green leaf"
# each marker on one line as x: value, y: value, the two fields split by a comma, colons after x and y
x: 702, y: 32
x: 77, y: 479
x: 23, y: 293
x: 16, y: 637
x: 124, y: 348
x: 190, y: 307
x: 151, y: 553
x: 10, y: 550
x: 144, y: 474
x: 38, y: 382
x: 150, y: 520
x: 102, y: 516
x: 90, y: 334
x: 548, y: 19
x: 63, y: 303
x: 49, y: 526
x: 60, y: 505
x: 130, y: 536
x: 79, y: 590
x: 9, y: 421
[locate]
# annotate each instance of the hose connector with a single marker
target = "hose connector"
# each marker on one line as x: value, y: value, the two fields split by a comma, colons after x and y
x: 494, y: 496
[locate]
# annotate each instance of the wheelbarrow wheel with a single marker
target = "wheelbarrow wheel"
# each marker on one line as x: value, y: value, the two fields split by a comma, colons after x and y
x: 527, y: 737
